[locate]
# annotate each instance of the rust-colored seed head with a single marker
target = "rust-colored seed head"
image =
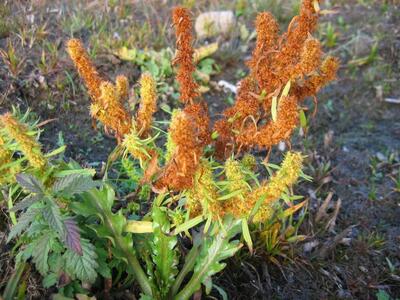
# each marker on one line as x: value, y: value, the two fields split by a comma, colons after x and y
x: 267, y: 36
x: 148, y: 103
x: 26, y: 143
x: 122, y: 86
x: 179, y: 172
x: 184, y: 56
x: 85, y: 67
x: 111, y: 112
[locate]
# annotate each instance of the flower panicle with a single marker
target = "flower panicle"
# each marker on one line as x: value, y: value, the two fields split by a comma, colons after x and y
x: 294, y: 57
x: 285, y: 177
x: 122, y: 87
x: 180, y: 169
x: 85, y: 67
x: 202, y: 198
x: 26, y: 143
x: 148, y: 103
x: 111, y: 112
x: 184, y: 56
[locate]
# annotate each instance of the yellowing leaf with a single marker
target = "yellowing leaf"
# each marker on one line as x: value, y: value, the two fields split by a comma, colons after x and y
x: 204, y: 51
x: 139, y: 226
x: 126, y: 54
x: 291, y: 210
x: 286, y: 89
x: 316, y: 5
x: 274, y: 108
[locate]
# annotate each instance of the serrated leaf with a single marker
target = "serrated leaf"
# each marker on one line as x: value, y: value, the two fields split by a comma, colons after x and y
x: 40, y: 254
x: 82, y: 266
x: 50, y: 280
x: 74, y: 184
x: 51, y: 213
x: 213, y: 251
x: 23, y: 222
x: 26, y: 202
x: 163, y: 252
x: 72, y: 236
x: 30, y: 183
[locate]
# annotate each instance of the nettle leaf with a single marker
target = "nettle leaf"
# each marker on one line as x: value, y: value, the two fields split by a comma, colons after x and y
x: 163, y: 252
x: 82, y: 266
x: 72, y: 236
x: 23, y: 222
x: 50, y: 280
x: 30, y: 183
x: 74, y: 184
x: 51, y: 213
x: 26, y: 202
x: 40, y: 253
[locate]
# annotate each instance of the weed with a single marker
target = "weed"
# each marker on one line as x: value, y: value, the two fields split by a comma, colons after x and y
x: 201, y: 191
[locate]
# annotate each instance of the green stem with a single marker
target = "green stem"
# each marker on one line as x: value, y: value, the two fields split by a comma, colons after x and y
x: 187, y: 267
x: 138, y: 272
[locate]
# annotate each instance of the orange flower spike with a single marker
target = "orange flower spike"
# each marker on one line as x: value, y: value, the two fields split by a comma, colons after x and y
x: 310, y: 58
x: 179, y: 172
x: 148, y: 103
x: 267, y: 35
x: 122, y: 86
x: 85, y: 67
x: 274, y: 131
x: 112, y: 114
x: 184, y: 55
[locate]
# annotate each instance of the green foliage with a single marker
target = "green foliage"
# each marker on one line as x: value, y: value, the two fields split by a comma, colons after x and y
x: 163, y: 253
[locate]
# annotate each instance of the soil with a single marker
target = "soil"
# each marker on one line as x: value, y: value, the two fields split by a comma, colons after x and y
x: 355, y: 136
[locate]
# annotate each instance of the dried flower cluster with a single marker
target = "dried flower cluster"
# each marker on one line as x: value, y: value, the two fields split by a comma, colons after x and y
x: 107, y: 98
x: 284, y: 69
x: 27, y: 144
x: 295, y: 58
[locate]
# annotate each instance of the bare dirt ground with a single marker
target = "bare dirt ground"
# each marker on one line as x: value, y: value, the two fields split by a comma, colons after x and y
x: 353, y: 143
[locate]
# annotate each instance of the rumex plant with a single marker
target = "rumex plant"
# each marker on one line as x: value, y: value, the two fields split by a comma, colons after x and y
x: 201, y: 190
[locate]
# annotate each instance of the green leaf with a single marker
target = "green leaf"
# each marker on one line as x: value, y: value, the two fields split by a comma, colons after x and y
x: 49, y: 280
x: 40, y: 253
x: 246, y: 234
x: 214, y: 249
x: 51, y: 213
x: 12, y: 282
x: 303, y: 119
x: 30, y: 183
x: 26, y: 202
x: 74, y: 184
x: 187, y: 225
x: 23, y: 222
x: 57, y: 151
x: 163, y: 252
x: 82, y: 266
